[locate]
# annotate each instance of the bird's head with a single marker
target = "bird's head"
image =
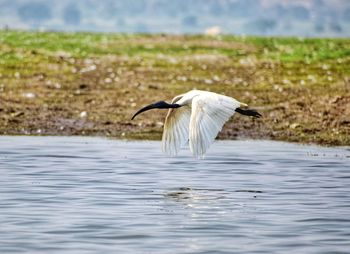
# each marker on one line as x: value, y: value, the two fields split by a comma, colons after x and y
x: 159, y: 104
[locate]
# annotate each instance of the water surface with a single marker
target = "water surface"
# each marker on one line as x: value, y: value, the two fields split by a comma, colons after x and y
x: 94, y: 195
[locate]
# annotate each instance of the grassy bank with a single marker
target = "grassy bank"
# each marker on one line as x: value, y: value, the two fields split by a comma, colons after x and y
x: 91, y: 84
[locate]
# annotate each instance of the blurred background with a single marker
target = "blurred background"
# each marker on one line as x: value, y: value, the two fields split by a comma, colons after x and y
x: 309, y: 18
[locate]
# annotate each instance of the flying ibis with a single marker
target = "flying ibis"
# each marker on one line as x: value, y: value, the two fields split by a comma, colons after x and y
x: 196, y: 117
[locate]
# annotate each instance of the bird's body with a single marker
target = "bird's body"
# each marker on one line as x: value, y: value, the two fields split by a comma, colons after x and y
x: 196, y: 117
x: 198, y: 121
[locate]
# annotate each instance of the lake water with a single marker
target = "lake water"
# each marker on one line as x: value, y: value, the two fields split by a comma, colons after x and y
x: 95, y: 195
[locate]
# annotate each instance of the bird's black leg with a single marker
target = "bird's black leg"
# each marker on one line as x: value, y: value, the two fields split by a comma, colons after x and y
x: 248, y: 112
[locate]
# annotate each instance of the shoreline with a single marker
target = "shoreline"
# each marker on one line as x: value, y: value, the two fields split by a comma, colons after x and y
x: 122, y: 139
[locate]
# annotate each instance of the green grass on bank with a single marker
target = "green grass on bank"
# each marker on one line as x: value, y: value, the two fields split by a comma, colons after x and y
x: 84, y: 44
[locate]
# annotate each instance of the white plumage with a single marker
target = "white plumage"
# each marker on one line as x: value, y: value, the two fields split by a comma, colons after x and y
x: 196, y: 117
x: 198, y: 121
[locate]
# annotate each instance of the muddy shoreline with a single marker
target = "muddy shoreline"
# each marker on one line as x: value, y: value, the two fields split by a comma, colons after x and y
x: 91, y: 84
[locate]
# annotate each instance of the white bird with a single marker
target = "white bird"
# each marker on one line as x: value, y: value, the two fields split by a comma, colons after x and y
x: 196, y: 117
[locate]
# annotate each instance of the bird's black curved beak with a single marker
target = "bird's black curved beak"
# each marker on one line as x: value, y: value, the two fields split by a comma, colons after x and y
x: 159, y: 104
x: 149, y: 107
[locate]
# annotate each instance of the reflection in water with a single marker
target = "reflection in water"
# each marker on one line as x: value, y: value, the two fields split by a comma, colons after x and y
x: 91, y: 195
x: 186, y: 194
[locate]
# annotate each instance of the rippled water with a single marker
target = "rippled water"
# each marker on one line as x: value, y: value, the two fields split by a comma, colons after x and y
x: 92, y: 195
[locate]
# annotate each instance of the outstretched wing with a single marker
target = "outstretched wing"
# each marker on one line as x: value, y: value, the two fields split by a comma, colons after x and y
x: 210, y: 111
x: 175, y: 133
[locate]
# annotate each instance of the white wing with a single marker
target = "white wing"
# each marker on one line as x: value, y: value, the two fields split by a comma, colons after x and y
x: 210, y: 111
x: 175, y: 133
